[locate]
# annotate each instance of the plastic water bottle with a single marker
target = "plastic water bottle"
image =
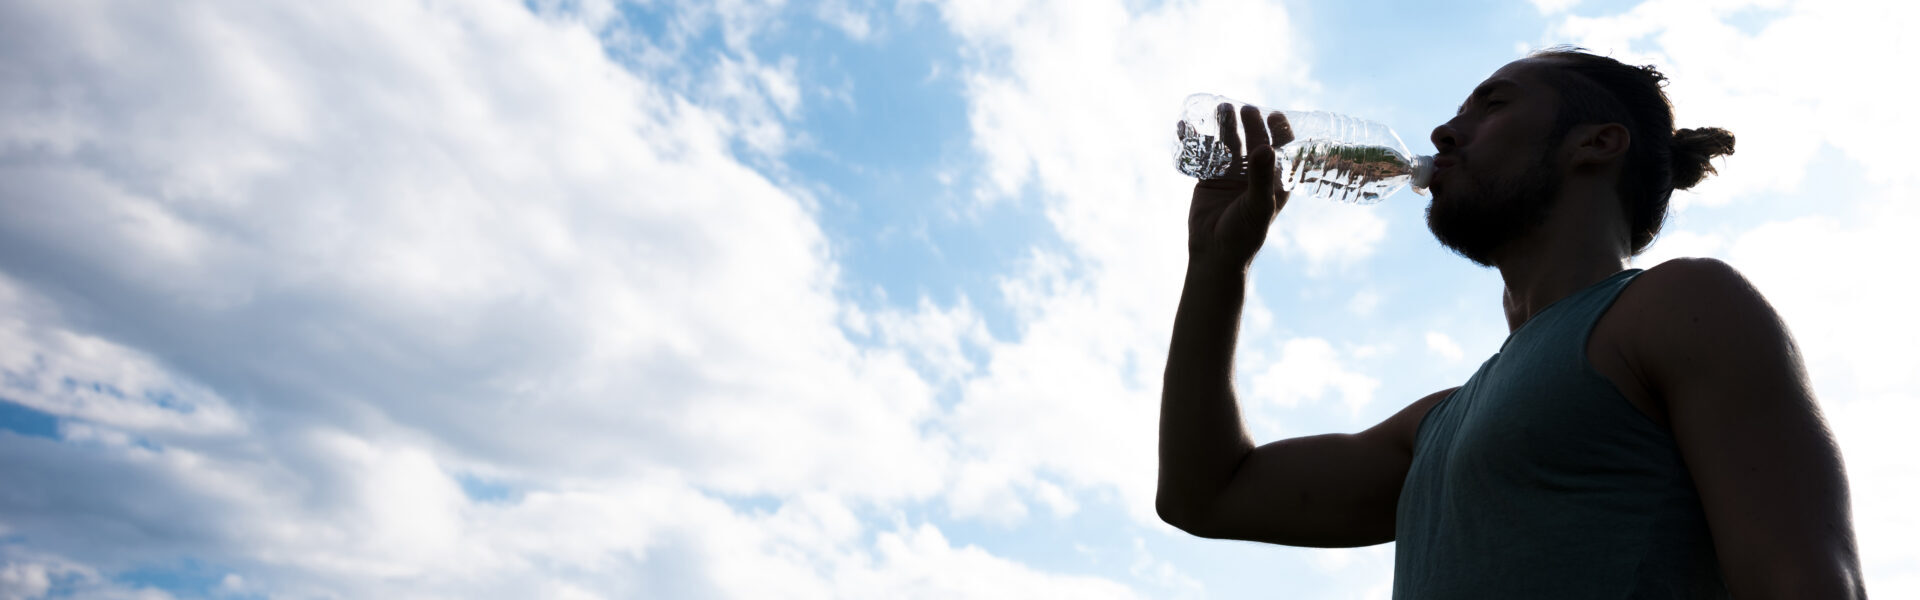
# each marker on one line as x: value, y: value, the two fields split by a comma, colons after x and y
x: 1332, y: 156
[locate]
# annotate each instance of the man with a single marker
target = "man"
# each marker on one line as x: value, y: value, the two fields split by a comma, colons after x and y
x: 1641, y: 434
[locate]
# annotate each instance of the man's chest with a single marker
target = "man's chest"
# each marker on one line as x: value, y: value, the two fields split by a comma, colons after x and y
x: 1609, y: 352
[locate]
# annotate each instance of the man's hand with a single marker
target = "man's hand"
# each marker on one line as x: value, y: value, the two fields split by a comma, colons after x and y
x: 1229, y: 217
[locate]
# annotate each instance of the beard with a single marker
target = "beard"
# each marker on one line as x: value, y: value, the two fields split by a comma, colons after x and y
x: 1480, y: 217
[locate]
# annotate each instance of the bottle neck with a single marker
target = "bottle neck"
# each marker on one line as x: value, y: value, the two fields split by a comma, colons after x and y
x: 1422, y: 171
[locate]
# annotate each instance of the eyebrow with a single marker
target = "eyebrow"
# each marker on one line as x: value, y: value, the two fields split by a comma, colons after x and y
x: 1483, y: 91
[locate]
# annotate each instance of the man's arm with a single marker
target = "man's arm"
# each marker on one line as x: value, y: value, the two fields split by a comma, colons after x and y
x: 1328, y: 490
x: 1743, y: 414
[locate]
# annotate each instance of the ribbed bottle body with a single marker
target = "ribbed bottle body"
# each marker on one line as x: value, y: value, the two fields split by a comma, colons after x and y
x: 1332, y: 156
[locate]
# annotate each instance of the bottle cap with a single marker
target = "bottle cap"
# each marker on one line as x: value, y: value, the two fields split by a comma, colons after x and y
x: 1422, y: 173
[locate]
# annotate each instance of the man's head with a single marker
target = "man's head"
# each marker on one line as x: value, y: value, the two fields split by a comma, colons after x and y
x: 1562, y: 113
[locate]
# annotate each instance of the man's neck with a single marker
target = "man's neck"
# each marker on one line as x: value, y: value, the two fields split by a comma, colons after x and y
x: 1532, y: 287
x: 1562, y: 256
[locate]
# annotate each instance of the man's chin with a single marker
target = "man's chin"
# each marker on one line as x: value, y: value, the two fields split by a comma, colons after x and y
x: 1437, y: 195
x: 1472, y: 236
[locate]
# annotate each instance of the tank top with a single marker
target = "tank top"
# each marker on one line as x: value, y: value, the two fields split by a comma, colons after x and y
x: 1538, y: 479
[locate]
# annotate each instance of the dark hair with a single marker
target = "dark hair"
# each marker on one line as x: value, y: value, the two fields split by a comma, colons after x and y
x: 1599, y: 89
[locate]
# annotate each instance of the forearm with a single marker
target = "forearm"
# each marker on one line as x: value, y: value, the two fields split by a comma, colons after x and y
x: 1202, y: 438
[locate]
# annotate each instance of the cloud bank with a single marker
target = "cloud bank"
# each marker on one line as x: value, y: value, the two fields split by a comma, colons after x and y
x: 425, y: 299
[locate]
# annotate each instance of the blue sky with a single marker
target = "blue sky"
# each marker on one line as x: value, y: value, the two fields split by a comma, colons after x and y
x: 839, y: 299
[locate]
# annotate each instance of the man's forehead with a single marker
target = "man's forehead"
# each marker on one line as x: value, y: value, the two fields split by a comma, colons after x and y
x: 1517, y: 75
x: 1523, y: 72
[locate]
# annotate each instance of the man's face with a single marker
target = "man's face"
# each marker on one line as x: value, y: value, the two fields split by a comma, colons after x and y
x: 1497, y: 172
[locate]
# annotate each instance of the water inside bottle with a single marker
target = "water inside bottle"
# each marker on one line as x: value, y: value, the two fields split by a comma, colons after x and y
x: 1203, y: 155
x: 1353, y: 173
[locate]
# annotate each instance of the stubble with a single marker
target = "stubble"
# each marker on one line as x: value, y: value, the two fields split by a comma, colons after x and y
x: 1477, y: 218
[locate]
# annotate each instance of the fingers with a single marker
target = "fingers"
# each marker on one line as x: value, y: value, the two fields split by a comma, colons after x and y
x: 1282, y: 135
x: 1256, y: 133
x: 1282, y: 130
x: 1260, y: 188
x: 1229, y: 132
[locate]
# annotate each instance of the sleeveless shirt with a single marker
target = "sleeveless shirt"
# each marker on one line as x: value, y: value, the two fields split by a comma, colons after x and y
x: 1538, y: 479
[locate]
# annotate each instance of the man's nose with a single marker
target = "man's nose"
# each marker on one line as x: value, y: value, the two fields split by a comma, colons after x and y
x: 1445, y: 139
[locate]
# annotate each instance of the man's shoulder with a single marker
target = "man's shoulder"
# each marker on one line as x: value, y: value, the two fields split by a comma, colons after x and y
x: 1684, y: 287
x: 1687, y: 308
x: 1693, y: 272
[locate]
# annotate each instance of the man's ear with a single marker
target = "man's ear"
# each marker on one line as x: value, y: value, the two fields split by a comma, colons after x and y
x: 1598, y: 143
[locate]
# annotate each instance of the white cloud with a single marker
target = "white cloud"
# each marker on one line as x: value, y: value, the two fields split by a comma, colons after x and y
x: 449, y: 232
x: 637, y: 536
x: 1678, y: 243
x: 1072, y: 104
x: 1443, y: 346
x: 1327, y: 234
x: 1146, y: 566
x: 1371, y: 567
x: 920, y: 563
x: 25, y: 576
x: 23, y: 580
x: 85, y: 377
x: 848, y: 19
x: 1550, y: 7
x: 595, y: 14
x: 387, y: 250
x: 1785, y: 88
x: 334, y: 261
x: 939, y: 338
x: 988, y: 490
x: 1363, y: 303
x: 754, y: 100
x: 737, y: 20
x: 1309, y: 369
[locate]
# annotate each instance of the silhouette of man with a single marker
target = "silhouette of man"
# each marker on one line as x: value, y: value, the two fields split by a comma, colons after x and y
x: 1641, y: 434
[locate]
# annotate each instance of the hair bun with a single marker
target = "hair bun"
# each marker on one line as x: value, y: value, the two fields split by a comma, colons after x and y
x: 1693, y: 152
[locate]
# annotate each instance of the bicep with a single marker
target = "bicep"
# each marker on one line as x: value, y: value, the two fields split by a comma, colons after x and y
x: 1329, y: 491
x: 1769, y: 473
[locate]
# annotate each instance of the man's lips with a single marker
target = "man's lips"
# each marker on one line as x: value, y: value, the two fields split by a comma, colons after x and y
x: 1440, y: 165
